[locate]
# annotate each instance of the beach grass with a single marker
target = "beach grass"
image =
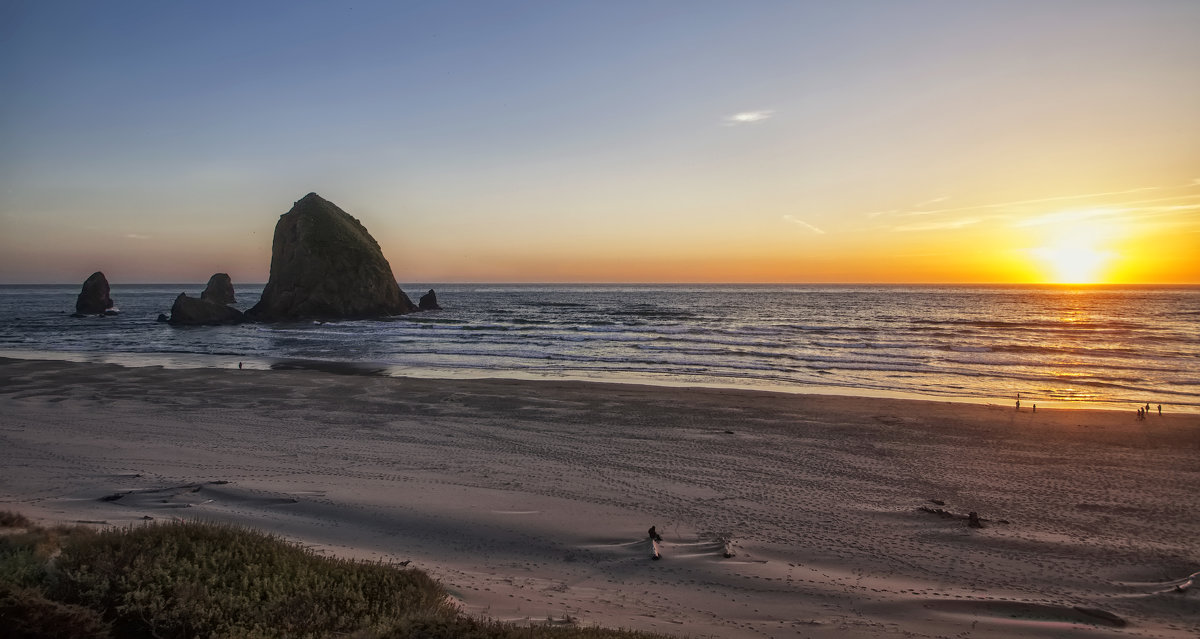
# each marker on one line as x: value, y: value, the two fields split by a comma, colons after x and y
x: 191, y: 579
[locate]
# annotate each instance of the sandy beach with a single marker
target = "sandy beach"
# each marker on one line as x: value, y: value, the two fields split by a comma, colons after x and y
x: 532, y: 499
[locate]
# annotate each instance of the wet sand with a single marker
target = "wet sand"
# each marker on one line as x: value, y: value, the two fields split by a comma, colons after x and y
x: 531, y: 499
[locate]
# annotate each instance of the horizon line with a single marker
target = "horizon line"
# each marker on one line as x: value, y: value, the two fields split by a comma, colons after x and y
x: 678, y: 283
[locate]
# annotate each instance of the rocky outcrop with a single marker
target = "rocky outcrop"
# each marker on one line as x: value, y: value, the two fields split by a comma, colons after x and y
x: 219, y: 289
x: 429, y: 302
x: 190, y: 311
x: 94, y: 298
x: 325, y: 265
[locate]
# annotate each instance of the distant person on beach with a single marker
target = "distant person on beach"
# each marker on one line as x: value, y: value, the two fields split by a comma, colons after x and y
x: 1160, y: 410
x: 1018, y: 404
x: 1035, y: 408
x: 654, y: 534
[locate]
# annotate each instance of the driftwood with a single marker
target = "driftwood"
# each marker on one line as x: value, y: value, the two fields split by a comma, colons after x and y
x: 973, y: 518
x: 725, y: 541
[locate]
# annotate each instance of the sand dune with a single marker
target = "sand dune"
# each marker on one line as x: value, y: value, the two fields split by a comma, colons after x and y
x: 531, y: 500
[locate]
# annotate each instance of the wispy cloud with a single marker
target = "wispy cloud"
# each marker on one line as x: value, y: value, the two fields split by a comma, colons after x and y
x: 915, y: 209
x: 1060, y: 217
x: 921, y: 205
x: 1123, y: 205
x: 795, y: 220
x: 748, y: 117
x: 1044, y: 200
x: 137, y: 236
x: 942, y: 225
x: 1131, y: 212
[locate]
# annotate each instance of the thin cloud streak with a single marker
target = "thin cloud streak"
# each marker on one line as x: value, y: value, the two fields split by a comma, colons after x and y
x: 796, y: 220
x: 1060, y: 198
x: 1128, y: 210
x: 1000, y: 205
x: 918, y: 205
x: 1059, y: 217
x: 748, y: 117
x: 933, y: 201
x: 947, y: 225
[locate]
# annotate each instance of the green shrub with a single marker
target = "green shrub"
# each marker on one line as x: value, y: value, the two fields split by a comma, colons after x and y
x: 190, y: 579
x: 205, y: 580
x: 13, y: 520
x: 26, y: 614
x: 19, y: 563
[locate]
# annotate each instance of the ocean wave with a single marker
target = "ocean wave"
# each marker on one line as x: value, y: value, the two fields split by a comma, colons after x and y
x: 878, y: 344
x: 430, y: 320
x: 1064, y: 366
x: 978, y: 342
x: 1057, y: 324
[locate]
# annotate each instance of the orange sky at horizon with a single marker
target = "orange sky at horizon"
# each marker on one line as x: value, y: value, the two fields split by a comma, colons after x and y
x: 1054, y: 247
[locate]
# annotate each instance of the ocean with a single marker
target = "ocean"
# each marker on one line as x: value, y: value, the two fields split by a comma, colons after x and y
x: 1114, y: 347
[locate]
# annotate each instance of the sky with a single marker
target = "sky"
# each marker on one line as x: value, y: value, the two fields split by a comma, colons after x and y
x: 607, y: 141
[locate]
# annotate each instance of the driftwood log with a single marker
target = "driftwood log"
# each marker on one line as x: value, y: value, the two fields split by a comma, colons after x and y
x: 973, y: 518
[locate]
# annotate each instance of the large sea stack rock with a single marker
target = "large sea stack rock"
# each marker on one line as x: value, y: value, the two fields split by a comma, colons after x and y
x: 219, y: 289
x: 325, y: 265
x: 189, y: 311
x: 429, y: 302
x: 94, y: 299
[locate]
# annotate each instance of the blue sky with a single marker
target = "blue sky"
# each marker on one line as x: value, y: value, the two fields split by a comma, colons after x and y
x: 578, y: 140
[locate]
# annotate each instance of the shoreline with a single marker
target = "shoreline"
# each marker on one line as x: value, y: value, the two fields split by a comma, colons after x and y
x: 531, y: 499
x: 193, y: 361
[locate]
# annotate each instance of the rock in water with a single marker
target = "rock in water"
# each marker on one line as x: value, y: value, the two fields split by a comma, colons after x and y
x: 219, y: 289
x: 94, y: 299
x: 189, y: 311
x: 429, y: 302
x: 325, y: 265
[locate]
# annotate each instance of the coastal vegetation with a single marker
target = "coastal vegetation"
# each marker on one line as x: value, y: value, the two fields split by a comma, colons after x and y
x: 190, y: 579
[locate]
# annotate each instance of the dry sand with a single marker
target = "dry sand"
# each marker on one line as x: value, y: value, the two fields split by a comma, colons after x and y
x: 531, y: 500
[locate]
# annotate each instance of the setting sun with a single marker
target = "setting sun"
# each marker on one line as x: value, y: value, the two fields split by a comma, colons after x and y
x: 1073, y: 261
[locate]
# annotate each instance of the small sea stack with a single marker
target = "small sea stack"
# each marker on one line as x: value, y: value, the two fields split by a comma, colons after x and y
x: 325, y: 265
x: 219, y: 289
x: 190, y: 311
x: 94, y: 299
x: 429, y: 302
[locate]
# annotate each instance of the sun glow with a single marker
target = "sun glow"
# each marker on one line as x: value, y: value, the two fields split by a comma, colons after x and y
x: 1074, y: 261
